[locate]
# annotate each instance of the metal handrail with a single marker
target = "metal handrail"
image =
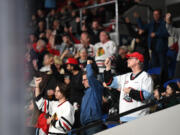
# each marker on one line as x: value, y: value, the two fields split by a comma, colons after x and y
x: 103, y: 4
x: 109, y: 119
x: 111, y: 2
x: 94, y: 6
x: 116, y: 2
x: 98, y: 5
x: 116, y: 12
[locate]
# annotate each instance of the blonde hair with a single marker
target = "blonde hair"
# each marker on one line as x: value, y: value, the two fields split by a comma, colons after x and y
x: 57, y: 60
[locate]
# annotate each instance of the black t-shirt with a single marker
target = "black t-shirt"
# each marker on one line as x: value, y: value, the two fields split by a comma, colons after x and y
x: 76, y: 88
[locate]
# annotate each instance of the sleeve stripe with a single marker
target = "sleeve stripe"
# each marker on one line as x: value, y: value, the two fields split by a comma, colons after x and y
x: 41, y: 107
x: 61, y: 126
x: 110, y: 81
x: 45, y: 102
x: 40, y: 104
x: 66, y: 126
x: 67, y: 121
x: 147, y: 95
x: 141, y: 96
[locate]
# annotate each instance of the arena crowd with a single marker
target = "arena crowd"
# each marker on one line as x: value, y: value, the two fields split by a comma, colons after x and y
x: 75, y: 73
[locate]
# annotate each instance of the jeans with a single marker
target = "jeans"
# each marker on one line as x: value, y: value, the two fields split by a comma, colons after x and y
x: 177, y: 70
x: 159, y: 59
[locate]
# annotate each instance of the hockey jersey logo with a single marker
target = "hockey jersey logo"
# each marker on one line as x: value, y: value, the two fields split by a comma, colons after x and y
x: 127, y: 98
x: 100, y: 51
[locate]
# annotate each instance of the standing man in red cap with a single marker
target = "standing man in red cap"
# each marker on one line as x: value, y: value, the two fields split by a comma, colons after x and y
x: 76, y: 88
x: 135, y: 87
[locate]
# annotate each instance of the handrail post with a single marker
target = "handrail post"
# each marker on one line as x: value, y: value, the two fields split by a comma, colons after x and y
x: 117, y: 21
x: 95, y: 6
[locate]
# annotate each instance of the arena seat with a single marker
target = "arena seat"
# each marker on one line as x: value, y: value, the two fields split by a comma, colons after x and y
x: 170, y: 81
x: 156, y: 71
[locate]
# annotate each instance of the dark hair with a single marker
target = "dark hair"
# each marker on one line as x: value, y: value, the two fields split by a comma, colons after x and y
x: 95, y: 20
x: 64, y: 89
x: 107, y: 33
x: 75, y: 67
x: 174, y: 87
x: 65, y: 35
x: 49, y: 55
x: 48, y: 82
x: 159, y: 88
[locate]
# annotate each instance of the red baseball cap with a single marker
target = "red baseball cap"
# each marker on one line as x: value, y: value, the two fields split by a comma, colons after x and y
x: 72, y: 61
x: 137, y: 55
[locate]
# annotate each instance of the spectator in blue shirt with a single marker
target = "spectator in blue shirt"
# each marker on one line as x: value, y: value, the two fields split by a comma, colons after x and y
x: 91, y: 106
x: 157, y: 39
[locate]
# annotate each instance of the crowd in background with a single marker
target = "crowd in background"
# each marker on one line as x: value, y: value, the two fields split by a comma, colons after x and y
x: 60, y: 48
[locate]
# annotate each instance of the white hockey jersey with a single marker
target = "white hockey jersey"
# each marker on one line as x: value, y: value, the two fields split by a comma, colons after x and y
x: 90, y: 49
x: 143, y: 82
x: 65, y: 114
x: 102, y: 52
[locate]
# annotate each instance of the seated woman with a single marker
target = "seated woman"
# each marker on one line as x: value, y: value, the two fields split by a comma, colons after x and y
x: 156, y: 97
x: 171, y: 90
x: 61, y: 111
